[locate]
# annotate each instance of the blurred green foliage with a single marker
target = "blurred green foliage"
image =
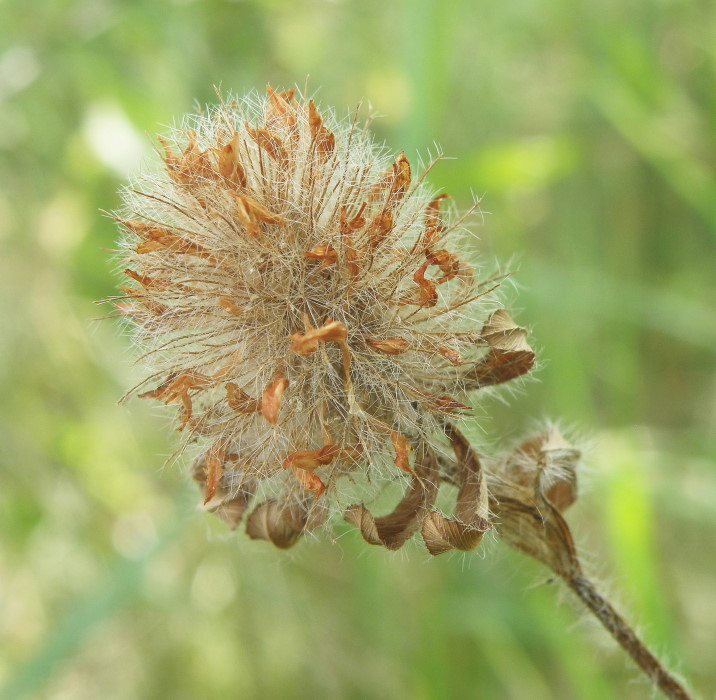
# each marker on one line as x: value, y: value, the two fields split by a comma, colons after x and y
x: 588, y: 130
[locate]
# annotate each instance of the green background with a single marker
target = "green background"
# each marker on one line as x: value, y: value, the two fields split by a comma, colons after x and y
x: 588, y: 129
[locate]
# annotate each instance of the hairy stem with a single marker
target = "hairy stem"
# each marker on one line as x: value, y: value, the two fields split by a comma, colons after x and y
x: 627, y: 638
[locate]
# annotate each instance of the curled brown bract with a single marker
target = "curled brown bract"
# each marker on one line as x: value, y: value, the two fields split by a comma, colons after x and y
x: 283, y: 524
x: 393, y: 530
x: 463, y: 531
x: 509, y: 355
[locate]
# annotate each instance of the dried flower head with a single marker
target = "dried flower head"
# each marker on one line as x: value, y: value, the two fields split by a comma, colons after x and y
x: 301, y: 301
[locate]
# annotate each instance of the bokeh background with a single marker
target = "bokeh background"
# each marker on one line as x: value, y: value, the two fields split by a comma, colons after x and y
x: 589, y: 131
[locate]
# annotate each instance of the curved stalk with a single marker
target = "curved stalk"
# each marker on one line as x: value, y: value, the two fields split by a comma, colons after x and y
x: 615, y: 624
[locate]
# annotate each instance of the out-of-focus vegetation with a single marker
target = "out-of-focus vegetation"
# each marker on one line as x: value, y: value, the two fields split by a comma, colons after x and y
x: 589, y: 129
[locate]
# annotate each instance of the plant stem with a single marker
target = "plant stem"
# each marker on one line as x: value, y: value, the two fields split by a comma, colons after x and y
x: 627, y: 638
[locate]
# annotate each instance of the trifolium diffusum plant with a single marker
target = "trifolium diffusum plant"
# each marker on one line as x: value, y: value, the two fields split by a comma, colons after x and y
x: 300, y: 296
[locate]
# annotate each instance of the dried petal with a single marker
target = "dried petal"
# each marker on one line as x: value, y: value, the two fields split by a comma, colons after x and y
x: 452, y: 356
x: 229, y: 166
x: 240, y: 401
x: 325, y: 253
x: 390, y: 346
x: 380, y: 227
x: 348, y: 228
x: 305, y: 344
x: 145, y: 280
x: 177, y: 387
x: 174, y: 164
x: 250, y: 212
x: 324, y: 141
x: 427, y: 294
x: 268, y: 141
x: 402, y: 451
x: 196, y: 163
x: 271, y: 399
x: 279, y: 109
x: 448, y: 263
x: 433, y: 221
x: 215, y: 460
x: 230, y: 306
x: 310, y: 481
x: 442, y: 403
x: 401, y: 178
x: 158, y: 238
x: 311, y: 459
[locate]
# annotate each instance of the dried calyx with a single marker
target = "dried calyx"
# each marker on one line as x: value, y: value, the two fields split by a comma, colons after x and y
x: 301, y: 302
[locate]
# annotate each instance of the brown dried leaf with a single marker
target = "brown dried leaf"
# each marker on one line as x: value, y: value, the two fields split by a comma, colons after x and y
x: 465, y: 529
x: 509, y: 356
x: 229, y: 508
x: 531, y: 524
x: 267, y: 522
x: 393, y: 530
